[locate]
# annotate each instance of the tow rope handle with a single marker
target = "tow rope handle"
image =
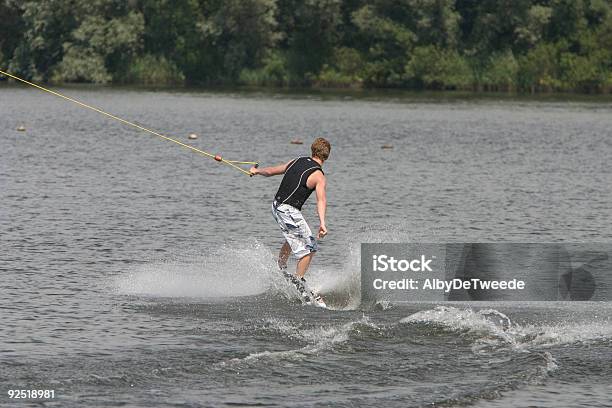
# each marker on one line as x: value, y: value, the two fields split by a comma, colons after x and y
x: 220, y: 159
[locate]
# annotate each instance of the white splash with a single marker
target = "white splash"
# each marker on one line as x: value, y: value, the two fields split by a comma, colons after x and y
x: 228, y: 271
x: 494, y: 329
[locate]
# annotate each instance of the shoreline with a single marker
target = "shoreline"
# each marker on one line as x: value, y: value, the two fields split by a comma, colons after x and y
x: 382, y: 94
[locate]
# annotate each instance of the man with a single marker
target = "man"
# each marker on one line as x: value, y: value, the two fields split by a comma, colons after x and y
x: 302, y: 176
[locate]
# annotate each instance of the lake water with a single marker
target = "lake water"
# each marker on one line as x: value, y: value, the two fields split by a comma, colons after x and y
x: 137, y: 273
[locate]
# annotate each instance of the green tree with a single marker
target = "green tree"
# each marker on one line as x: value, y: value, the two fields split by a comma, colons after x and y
x: 532, y: 27
x: 11, y: 29
x: 211, y: 41
x: 435, y: 22
x: 238, y: 34
x: 538, y: 68
x: 501, y: 72
x: 171, y: 34
x: 490, y: 26
x: 309, y: 32
x: 345, y: 69
x: 385, y: 43
x: 46, y: 26
x: 583, y: 73
x: 78, y: 40
x: 100, y: 45
x: 273, y: 72
x: 437, y: 68
x: 528, y: 45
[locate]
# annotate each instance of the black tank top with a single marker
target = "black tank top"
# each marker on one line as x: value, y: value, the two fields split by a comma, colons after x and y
x: 293, y: 190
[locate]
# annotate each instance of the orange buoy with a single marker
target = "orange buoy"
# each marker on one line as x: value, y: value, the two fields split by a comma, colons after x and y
x: 218, y: 158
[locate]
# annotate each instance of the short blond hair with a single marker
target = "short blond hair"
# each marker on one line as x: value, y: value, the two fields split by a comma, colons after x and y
x: 320, y: 148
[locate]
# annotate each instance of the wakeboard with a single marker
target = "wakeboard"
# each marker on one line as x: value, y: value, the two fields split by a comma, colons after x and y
x: 307, y: 295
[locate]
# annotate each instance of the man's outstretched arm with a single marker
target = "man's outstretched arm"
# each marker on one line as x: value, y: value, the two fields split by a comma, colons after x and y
x: 270, y: 171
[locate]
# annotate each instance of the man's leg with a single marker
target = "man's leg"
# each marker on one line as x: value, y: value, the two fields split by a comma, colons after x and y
x: 303, y: 264
x: 283, y: 255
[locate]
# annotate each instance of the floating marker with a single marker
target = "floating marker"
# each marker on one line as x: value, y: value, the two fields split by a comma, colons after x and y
x: 192, y: 136
x: 386, y: 146
x: 297, y: 142
x: 21, y: 128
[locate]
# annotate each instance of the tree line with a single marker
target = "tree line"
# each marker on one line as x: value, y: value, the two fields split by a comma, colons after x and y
x: 497, y: 45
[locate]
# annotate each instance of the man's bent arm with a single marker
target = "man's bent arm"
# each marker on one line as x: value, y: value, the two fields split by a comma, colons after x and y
x: 270, y: 171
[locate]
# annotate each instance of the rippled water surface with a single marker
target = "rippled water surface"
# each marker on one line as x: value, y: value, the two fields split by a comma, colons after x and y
x: 139, y: 274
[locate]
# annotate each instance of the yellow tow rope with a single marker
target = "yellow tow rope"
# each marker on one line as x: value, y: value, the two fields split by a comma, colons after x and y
x: 232, y: 163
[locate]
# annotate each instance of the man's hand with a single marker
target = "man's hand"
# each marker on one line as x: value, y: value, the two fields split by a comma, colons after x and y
x: 322, y: 231
x: 268, y: 171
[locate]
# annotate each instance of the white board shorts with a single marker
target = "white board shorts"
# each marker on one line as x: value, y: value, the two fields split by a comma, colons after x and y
x: 295, y: 229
